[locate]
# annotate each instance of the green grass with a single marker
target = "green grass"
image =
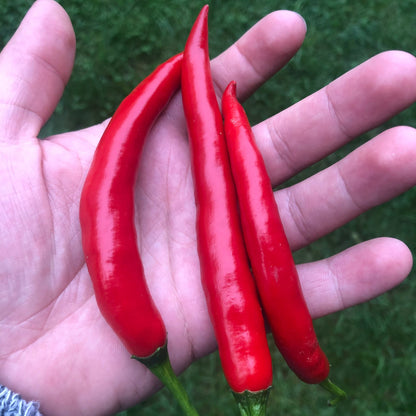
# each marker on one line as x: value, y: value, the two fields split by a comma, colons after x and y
x: 372, y: 346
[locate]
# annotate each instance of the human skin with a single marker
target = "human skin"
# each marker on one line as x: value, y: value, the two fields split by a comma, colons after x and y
x: 55, y: 347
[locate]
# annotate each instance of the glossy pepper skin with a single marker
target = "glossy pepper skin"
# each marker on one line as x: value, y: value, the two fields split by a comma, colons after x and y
x: 107, y: 215
x: 269, y: 251
x: 109, y: 237
x: 228, y: 285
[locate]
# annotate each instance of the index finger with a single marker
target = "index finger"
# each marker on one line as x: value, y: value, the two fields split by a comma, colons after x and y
x: 260, y: 52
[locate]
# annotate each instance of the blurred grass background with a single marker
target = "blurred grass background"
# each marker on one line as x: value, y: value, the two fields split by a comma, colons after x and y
x: 372, y: 346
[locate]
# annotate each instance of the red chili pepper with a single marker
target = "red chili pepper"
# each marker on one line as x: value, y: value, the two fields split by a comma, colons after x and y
x: 269, y: 252
x: 228, y: 284
x: 108, y: 232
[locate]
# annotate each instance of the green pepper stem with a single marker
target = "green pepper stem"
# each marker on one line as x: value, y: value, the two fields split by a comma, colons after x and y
x: 159, y: 364
x: 252, y: 403
x: 339, y: 394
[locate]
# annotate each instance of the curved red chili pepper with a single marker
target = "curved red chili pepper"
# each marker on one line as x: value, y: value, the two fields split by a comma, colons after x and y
x: 229, y: 287
x: 107, y: 222
x: 269, y: 251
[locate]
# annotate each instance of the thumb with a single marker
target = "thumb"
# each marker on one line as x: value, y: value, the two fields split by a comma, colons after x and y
x: 35, y: 66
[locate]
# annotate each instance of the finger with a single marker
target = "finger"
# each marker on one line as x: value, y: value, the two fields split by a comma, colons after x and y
x: 356, y: 102
x: 376, y: 172
x: 260, y: 52
x: 253, y: 59
x: 354, y: 276
x: 34, y: 68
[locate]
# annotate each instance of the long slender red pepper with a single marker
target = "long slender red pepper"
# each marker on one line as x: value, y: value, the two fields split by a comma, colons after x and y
x: 269, y: 252
x: 228, y: 284
x: 108, y: 232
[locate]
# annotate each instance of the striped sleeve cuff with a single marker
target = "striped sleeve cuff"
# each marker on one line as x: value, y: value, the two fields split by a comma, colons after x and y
x: 11, y: 404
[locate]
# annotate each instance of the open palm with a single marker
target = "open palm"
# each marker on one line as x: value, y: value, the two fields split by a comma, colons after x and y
x: 55, y: 347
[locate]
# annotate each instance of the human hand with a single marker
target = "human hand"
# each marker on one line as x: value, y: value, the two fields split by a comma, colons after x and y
x: 55, y: 346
